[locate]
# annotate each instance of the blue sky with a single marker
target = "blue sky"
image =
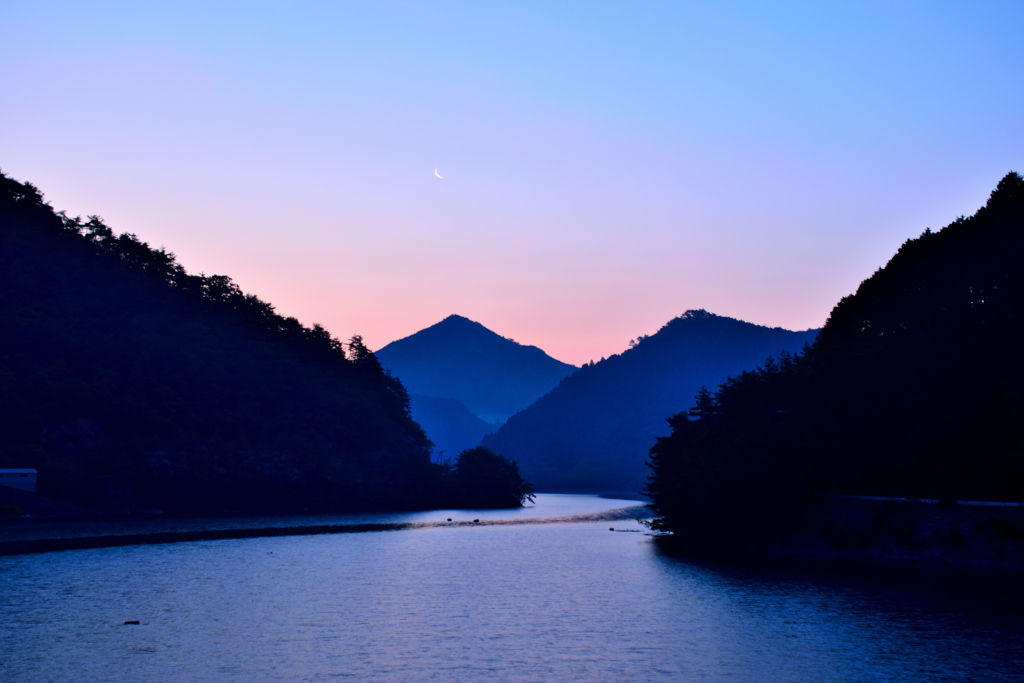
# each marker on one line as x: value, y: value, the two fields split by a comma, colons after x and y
x: 606, y: 165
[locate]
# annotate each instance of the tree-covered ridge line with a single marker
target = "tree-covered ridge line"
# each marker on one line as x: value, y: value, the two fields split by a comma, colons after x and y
x: 592, y: 432
x: 163, y: 266
x: 133, y: 385
x: 914, y: 388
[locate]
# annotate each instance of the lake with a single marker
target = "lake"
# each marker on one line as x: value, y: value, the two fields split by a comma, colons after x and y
x: 554, y: 601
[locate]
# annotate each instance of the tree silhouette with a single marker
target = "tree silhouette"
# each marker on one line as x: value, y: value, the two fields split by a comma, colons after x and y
x: 913, y: 388
x: 131, y: 384
x: 485, y: 479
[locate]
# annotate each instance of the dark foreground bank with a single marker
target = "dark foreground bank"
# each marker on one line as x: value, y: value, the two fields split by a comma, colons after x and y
x: 854, y: 531
x: 907, y: 531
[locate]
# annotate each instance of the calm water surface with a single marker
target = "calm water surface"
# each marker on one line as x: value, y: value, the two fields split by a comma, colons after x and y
x: 551, y: 602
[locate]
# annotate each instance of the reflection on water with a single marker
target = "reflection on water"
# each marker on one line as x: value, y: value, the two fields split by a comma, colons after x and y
x: 498, y: 603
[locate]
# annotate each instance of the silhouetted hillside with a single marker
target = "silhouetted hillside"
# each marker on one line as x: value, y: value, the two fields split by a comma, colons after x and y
x: 593, y: 431
x: 492, y: 376
x: 130, y: 384
x: 449, y: 424
x: 915, y: 388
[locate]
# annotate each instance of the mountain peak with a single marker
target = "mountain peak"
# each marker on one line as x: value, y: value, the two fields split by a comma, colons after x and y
x: 459, y: 358
x: 455, y: 318
x: 456, y: 322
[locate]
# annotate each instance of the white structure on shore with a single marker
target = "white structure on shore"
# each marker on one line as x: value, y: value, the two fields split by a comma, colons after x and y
x: 19, y: 479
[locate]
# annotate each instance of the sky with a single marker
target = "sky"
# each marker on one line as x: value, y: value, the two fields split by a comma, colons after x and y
x: 605, y: 166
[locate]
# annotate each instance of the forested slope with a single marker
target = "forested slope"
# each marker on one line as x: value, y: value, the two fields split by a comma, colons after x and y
x: 914, y: 388
x: 131, y: 384
x: 593, y: 431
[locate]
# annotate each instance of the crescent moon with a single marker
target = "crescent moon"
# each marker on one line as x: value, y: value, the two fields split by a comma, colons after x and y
x: 438, y: 174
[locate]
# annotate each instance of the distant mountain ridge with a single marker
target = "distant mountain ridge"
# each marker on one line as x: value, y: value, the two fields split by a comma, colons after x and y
x: 593, y: 432
x: 449, y: 424
x: 458, y: 358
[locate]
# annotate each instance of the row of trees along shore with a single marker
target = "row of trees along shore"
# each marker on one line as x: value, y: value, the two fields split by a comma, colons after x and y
x: 914, y: 388
x: 131, y: 384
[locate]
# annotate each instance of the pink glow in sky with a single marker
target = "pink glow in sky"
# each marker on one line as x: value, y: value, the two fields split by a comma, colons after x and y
x: 606, y: 166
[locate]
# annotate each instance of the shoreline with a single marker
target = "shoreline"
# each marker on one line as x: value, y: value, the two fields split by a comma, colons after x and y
x: 853, y: 531
x: 44, y: 545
